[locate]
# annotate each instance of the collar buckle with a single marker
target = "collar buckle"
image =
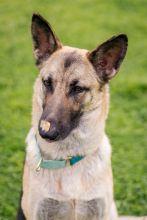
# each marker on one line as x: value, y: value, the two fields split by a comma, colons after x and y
x: 68, y: 158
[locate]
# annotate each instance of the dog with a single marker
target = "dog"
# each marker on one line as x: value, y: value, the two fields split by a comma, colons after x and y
x: 67, y: 172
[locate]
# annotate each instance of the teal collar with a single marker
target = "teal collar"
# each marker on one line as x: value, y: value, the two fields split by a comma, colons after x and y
x: 55, y: 164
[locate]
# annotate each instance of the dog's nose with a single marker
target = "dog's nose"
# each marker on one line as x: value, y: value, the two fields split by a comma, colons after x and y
x: 49, y: 130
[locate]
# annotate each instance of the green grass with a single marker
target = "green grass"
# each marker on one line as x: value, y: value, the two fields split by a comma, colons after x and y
x: 80, y: 23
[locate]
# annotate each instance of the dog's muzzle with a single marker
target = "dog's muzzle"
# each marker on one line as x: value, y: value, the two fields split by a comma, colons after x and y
x: 49, y: 130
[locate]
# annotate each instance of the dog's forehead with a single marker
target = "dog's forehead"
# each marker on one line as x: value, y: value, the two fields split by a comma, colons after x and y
x: 66, y: 61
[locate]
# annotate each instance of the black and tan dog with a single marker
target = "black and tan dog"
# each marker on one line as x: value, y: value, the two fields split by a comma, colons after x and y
x: 67, y: 172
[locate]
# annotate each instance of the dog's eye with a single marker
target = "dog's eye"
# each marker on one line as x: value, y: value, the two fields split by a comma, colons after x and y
x: 77, y: 89
x: 48, y: 84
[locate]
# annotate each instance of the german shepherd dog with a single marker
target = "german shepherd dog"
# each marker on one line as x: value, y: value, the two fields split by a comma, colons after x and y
x: 73, y: 179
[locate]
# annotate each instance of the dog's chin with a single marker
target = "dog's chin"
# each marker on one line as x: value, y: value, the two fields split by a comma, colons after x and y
x: 48, y: 140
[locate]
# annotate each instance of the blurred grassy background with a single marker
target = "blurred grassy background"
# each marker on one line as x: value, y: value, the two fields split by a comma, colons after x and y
x: 80, y: 23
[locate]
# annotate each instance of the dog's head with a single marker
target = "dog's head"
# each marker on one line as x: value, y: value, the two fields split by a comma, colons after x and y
x: 72, y: 81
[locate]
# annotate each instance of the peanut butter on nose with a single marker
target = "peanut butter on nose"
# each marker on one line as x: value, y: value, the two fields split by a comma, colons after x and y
x: 45, y: 125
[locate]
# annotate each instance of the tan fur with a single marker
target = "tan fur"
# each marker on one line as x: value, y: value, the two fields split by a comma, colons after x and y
x: 83, y: 191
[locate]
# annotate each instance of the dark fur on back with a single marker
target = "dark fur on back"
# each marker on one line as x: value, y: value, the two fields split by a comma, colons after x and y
x: 20, y: 214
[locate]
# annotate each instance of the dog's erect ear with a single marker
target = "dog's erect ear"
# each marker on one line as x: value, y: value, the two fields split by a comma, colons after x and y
x: 45, y: 41
x: 107, y: 57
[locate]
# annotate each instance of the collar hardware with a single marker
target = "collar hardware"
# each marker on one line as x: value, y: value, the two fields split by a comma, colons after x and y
x: 38, y: 165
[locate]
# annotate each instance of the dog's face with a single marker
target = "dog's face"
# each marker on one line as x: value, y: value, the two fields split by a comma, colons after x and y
x: 73, y: 80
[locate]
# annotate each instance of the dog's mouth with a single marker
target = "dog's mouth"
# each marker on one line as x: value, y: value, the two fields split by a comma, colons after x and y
x: 54, y: 130
x: 50, y: 141
x: 50, y: 132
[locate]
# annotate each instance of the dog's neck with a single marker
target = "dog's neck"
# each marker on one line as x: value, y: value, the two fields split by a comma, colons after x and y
x: 83, y: 140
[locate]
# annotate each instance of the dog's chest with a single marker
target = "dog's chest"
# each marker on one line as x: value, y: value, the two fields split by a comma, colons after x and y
x: 50, y: 209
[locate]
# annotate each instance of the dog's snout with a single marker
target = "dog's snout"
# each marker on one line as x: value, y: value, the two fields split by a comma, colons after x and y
x: 49, y: 130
